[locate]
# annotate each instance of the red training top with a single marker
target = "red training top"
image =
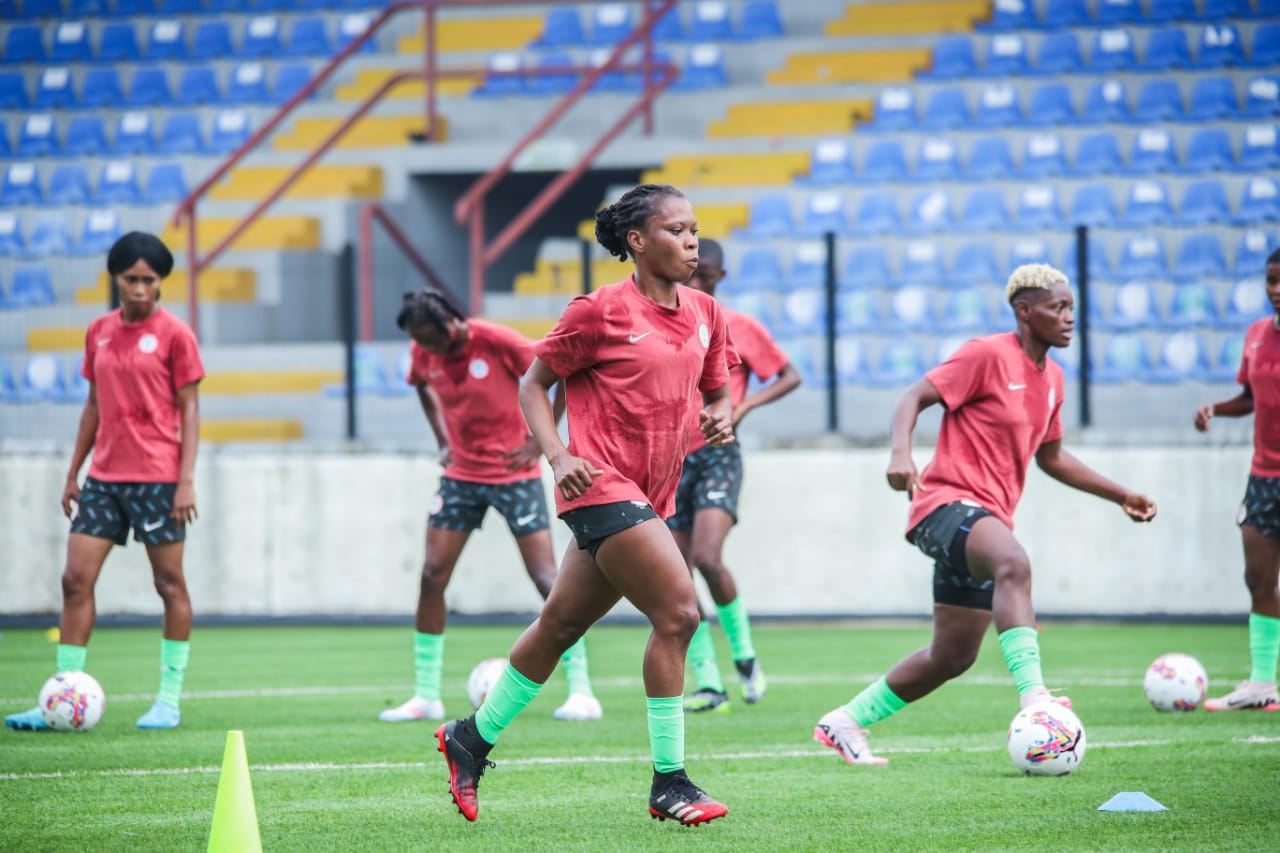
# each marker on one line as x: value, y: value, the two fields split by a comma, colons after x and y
x: 136, y: 370
x: 479, y: 387
x: 1260, y: 373
x: 1000, y: 408
x: 633, y: 371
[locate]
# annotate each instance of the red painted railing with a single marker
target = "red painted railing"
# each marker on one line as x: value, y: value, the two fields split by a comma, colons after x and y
x: 370, y: 213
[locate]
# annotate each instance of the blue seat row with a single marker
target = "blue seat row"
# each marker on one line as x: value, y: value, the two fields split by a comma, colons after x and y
x: 702, y: 68
x: 51, y: 235
x: 149, y: 86
x: 69, y: 184
x: 708, y: 20
x: 1052, y: 104
x: 1219, y: 45
x: 43, y: 378
x: 86, y: 135
x: 1182, y: 356
x: 31, y: 286
x: 1135, y: 305
x: 372, y: 376
x: 1061, y: 14
x: 12, y: 10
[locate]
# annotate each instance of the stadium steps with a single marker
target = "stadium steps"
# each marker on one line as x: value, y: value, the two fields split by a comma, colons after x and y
x: 726, y: 169
x: 228, y: 430
x: 790, y: 118
x: 867, y: 66
x: 486, y: 34
x: 370, y: 132
x: 280, y: 233
x: 344, y: 182
x: 864, y: 19
x: 216, y: 285
x: 369, y: 79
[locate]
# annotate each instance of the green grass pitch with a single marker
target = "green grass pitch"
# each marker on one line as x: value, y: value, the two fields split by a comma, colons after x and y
x: 327, y: 775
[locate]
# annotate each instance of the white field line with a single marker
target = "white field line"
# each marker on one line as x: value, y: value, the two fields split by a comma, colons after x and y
x: 328, y: 767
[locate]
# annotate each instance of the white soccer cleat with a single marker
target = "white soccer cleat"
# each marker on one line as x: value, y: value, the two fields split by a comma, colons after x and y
x: 838, y: 730
x: 1042, y: 694
x: 416, y: 708
x: 580, y: 707
x: 1248, y: 696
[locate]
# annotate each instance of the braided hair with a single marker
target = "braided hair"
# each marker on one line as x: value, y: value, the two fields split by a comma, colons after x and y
x: 630, y: 213
x: 426, y: 307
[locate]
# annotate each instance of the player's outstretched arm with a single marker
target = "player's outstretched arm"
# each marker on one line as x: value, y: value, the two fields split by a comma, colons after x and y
x: 1237, y: 407
x: 787, y: 380
x: 1066, y: 468
x: 572, y: 474
x: 902, y: 474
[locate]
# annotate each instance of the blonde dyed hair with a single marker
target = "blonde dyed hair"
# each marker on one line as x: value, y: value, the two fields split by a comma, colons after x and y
x: 1033, y: 277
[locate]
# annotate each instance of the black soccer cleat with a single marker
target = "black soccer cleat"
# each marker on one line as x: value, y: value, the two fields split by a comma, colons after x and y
x: 674, y: 796
x: 465, y: 769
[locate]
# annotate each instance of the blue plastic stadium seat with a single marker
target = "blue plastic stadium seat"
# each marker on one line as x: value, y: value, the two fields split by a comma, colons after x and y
x: 831, y: 163
x: 1059, y: 54
x: 867, y: 267
x: 936, y: 160
x: 32, y: 285
x: 922, y: 264
x: 1183, y: 357
x: 261, y: 38
x: 851, y: 361
x: 182, y: 7
x: 1213, y: 98
x: 149, y: 87
x: 1147, y: 204
x: 1097, y: 154
x: 975, y: 265
x: 1167, y: 11
x: 1010, y: 15
x: 823, y: 212
x: 167, y: 40
x: 1038, y: 207
x: 1229, y: 357
x: 68, y: 185
x: 1093, y: 205
x: 119, y: 43
x: 884, y: 160
x: 117, y: 183
x: 998, y: 106
x: 1262, y: 97
x: 351, y: 27
x: 12, y: 243
x: 945, y: 110
x: 50, y: 235
x: 198, y: 85
x: 165, y: 183
x: 896, y: 109
x: 1152, y: 151
x: 134, y: 134
x: 966, y: 310
x: 101, y: 88
x: 5, y: 149
x: 501, y: 79
x: 561, y: 27
x: 1192, y: 305
x: 1200, y: 256
x: 877, y: 213
x: 770, y: 216
x: 759, y: 19
x: 24, y: 44
x: 808, y: 266
x: 1266, y: 47
x: 1006, y: 55
x: 1060, y: 14
x: 100, y: 231
x: 952, y: 58
x: 1112, y: 51
x: 901, y: 363
x: 54, y: 90
x: 8, y: 387
x: 41, y: 8
x: 1118, y: 12
x: 211, y: 40
x: 1043, y: 155
x: 989, y: 159
x: 610, y: 23
x: 929, y: 212
x: 370, y: 375
x: 985, y: 210
x: 759, y: 269
x: 1265, y: 9
x: 1158, y: 101
x: 1259, y: 201
x: 803, y: 311
x: 1031, y: 250
x: 710, y: 21
x: 1259, y: 149
x: 1167, y: 49
x: 38, y: 137
x: 909, y: 310
x: 181, y: 134
x: 1209, y: 150
x: 1106, y: 101
x: 248, y: 84
x: 1252, y: 250
x: 13, y: 91
x: 21, y: 185
x: 1219, y: 46
x: 133, y: 8
x: 1125, y: 359
x: 1203, y: 202
x: 753, y: 303
x: 290, y: 78
x: 70, y: 43
x: 703, y: 69
x: 1142, y: 256
x: 308, y: 37
x: 1051, y: 106
x: 1247, y: 301
x: 230, y: 131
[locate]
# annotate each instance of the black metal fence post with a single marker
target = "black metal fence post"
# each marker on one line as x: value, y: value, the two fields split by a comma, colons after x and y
x: 1082, y: 321
x: 347, y: 319
x: 833, y: 390
x: 585, y: 245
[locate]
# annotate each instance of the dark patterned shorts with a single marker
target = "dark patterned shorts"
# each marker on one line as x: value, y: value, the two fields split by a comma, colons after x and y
x: 712, y: 477
x: 941, y: 535
x: 461, y: 504
x: 1261, y: 507
x: 591, y: 525
x: 108, y: 510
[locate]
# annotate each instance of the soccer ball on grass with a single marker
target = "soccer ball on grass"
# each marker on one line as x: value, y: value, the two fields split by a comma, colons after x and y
x: 72, y: 702
x: 1046, y: 739
x: 1175, y: 682
x: 483, y: 677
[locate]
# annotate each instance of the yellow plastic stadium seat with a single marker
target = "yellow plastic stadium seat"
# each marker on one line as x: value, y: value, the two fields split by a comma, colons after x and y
x: 369, y: 132
x: 369, y: 79
x: 54, y: 338
x: 250, y: 429
x: 272, y: 232
x: 478, y: 34
x: 533, y: 328
x: 790, y: 118
x: 907, y: 17
x: 221, y: 284
x: 269, y: 381
x: 248, y: 182
x: 868, y: 66
x: 720, y: 170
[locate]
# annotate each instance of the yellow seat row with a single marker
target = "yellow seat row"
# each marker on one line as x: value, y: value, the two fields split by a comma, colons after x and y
x: 865, y: 66
x: 368, y: 132
x: 269, y: 232
x: 247, y: 183
x: 790, y: 118
x: 728, y: 169
x: 220, y: 284
x: 369, y: 79
x: 904, y: 18
x: 223, y: 430
x: 477, y: 34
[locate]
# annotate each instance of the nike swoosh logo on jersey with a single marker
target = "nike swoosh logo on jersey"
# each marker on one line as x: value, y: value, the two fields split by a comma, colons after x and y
x: 150, y: 526
x: 526, y: 519
x: 635, y: 339
x: 1013, y: 387
x: 102, y: 342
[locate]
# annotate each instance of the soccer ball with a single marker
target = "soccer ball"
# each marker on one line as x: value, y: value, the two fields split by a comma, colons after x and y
x: 482, y: 679
x: 1046, y: 739
x: 1175, y: 682
x: 72, y: 702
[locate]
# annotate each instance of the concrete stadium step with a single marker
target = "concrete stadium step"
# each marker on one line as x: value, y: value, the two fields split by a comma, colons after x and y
x: 871, y: 66
x: 790, y: 118
x: 271, y: 232
x: 727, y: 169
x: 901, y: 18
x: 369, y: 79
x: 369, y: 132
x: 323, y: 181
x: 507, y: 33
x: 216, y: 285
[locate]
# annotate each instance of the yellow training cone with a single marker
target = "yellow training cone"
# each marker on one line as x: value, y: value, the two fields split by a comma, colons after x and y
x: 235, y: 821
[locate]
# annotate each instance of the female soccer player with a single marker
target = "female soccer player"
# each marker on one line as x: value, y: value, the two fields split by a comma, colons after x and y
x: 1002, y: 397
x: 1259, y: 516
x: 467, y: 373
x: 633, y: 357
x: 707, y: 498
x: 142, y: 423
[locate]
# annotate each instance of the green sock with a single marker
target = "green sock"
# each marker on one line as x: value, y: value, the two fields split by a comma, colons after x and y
x: 511, y: 695
x: 666, y: 733
x: 737, y: 627
x: 702, y: 658
x: 574, y: 661
x: 1264, y: 646
x: 71, y: 658
x: 1021, y: 650
x: 874, y: 704
x: 428, y: 659
x: 173, y: 669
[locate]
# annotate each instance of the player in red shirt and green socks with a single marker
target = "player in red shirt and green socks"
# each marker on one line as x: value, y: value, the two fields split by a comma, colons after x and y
x: 142, y: 423
x: 1002, y: 400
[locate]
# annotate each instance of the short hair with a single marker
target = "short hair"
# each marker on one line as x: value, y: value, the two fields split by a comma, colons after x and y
x: 426, y: 307
x: 628, y: 213
x: 1273, y: 258
x: 139, y: 246
x: 710, y: 251
x: 1033, y: 277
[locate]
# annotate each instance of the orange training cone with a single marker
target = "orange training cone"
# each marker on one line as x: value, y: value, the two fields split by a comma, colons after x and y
x: 235, y: 820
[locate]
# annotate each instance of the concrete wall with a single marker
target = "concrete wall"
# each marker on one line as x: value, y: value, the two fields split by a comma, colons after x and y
x: 342, y: 534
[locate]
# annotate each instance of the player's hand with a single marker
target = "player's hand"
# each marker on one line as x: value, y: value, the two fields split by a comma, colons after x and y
x: 573, y: 474
x: 1203, y: 416
x: 1139, y: 507
x: 902, y: 474
x: 444, y: 456
x: 70, y: 494
x: 716, y: 429
x: 184, y: 502
x: 739, y: 413
x: 524, y: 456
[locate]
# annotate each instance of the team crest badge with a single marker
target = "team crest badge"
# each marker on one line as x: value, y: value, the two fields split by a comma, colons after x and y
x: 479, y: 368
x: 148, y: 343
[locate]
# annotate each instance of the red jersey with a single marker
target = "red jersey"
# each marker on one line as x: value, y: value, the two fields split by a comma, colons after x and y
x: 136, y: 370
x: 1260, y: 373
x: 1000, y: 408
x: 479, y: 388
x: 759, y: 354
x: 632, y: 373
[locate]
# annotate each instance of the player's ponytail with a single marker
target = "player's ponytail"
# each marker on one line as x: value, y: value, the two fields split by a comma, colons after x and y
x: 630, y: 213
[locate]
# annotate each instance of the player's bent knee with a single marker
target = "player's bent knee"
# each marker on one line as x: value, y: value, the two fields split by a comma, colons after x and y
x: 1013, y: 570
x: 677, y: 622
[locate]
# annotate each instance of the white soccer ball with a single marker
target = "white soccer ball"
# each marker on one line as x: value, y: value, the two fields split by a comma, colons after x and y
x: 1046, y: 739
x: 72, y: 702
x: 1175, y: 682
x: 483, y: 677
